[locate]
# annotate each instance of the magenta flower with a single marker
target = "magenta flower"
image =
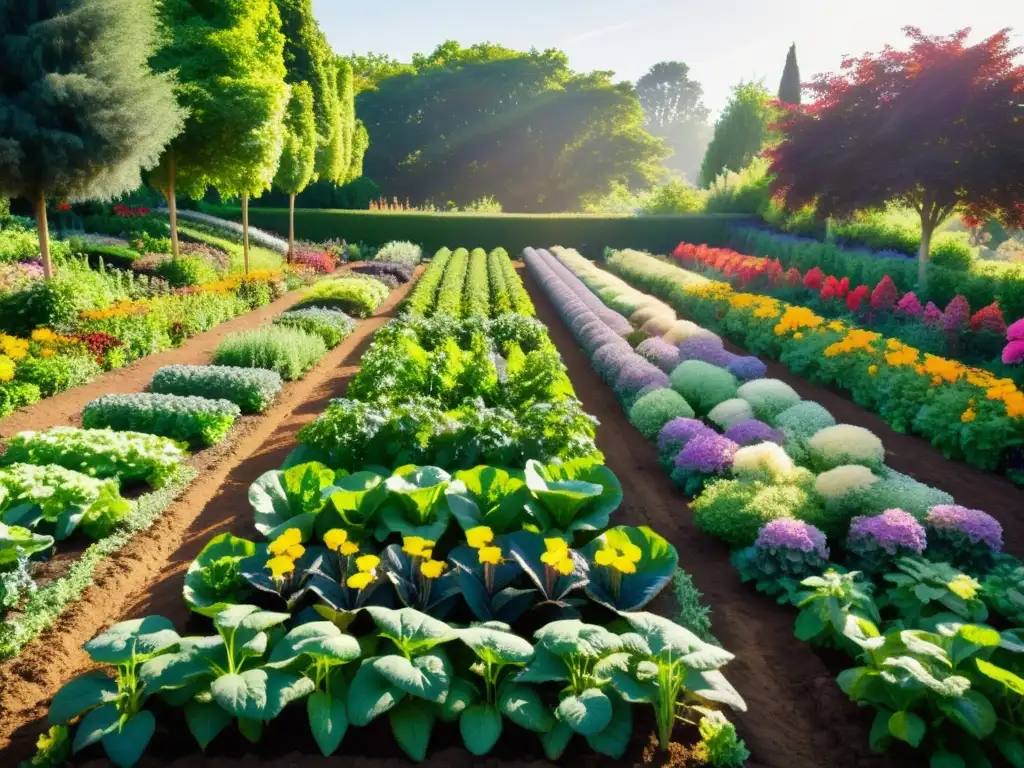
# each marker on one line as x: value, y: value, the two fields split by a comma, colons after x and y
x: 1016, y: 331
x: 932, y: 315
x: 977, y: 526
x: 957, y: 314
x: 909, y: 305
x: 1013, y: 353
x: 895, y: 531
x: 787, y: 533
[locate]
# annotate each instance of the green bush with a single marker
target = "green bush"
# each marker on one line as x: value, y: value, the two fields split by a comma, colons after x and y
x: 703, y: 385
x: 15, y: 394
x: 656, y: 409
x: 193, y: 420
x: 358, y: 296
x: 58, y: 373
x: 251, y: 389
x: 288, y: 351
x: 331, y: 325
x: 110, y: 255
x: 187, y: 270
x: 400, y: 253
x: 768, y: 397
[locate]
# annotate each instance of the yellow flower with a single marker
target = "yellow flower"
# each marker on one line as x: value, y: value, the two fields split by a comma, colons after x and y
x: 6, y: 368
x: 415, y: 546
x: 964, y: 586
x: 335, y: 538
x: 489, y: 555
x: 622, y: 558
x: 46, y: 353
x: 798, y: 335
x: 432, y: 569
x: 43, y: 335
x: 795, y: 318
x: 280, y: 566
x: 367, y: 563
x: 872, y: 370
x: 565, y: 566
x: 349, y: 548
x: 13, y: 347
x: 361, y: 580
x: 288, y: 543
x: 968, y: 416
x: 624, y: 565
x: 479, y: 537
x: 605, y: 557
x: 837, y: 326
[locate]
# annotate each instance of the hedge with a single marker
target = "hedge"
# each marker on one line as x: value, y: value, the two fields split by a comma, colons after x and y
x: 587, y: 233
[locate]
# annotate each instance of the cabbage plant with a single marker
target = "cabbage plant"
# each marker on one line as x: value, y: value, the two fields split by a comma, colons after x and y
x: 416, y: 504
x: 214, y: 579
x: 673, y: 670
x: 352, y: 504
x: 574, y: 496
x: 488, y: 496
x: 110, y: 700
x: 290, y: 498
x: 17, y: 542
x: 406, y: 681
x: 628, y: 567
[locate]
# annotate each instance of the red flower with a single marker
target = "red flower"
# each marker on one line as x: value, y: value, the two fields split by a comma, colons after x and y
x: 64, y: 207
x: 814, y: 279
x: 835, y: 289
x: 989, y: 318
x: 856, y: 297
x: 885, y: 294
x: 793, y: 277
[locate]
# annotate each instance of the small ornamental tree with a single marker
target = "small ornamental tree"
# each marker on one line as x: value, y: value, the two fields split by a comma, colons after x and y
x: 938, y: 127
x: 789, y: 86
x: 81, y: 114
x: 298, y: 157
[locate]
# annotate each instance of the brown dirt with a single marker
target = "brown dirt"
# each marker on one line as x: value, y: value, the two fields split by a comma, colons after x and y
x: 145, y: 576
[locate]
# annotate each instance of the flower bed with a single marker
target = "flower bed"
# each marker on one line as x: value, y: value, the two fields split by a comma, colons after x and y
x: 811, y: 499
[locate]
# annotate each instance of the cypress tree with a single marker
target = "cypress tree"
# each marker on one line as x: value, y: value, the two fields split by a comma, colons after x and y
x: 298, y: 158
x: 789, y: 86
x: 81, y: 113
x: 346, y: 116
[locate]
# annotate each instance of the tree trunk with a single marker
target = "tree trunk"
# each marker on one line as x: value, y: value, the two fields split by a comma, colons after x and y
x: 44, y: 235
x: 291, y: 227
x: 245, y: 231
x: 922, y: 255
x: 172, y: 206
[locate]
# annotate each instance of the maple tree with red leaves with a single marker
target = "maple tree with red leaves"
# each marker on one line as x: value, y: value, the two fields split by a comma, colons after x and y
x: 939, y: 127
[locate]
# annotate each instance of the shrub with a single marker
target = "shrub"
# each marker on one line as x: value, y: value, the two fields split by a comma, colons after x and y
x: 659, y: 352
x: 128, y: 456
x: 251, y: 389
x: 355, y: 295
x: 838, y: 483
x: 803, y: 420
x: 331, y: 325
x: 655, y: 409
x: 321, y: 262
x: 674, y: 436
x: 401, y: 272
x: 706, y: 347
x: 874, y: 543
x: 15, y: 394
x: 187, y: 270
x: 638, y: 377
x: 764, y: 461
x: 682, y: 330
x: 968, y: 538
x: 768, y: 397
x: 752, y: 431
x: 747, y: 368
x: 189, y: 419
x: 787, y: 548
x: 703, y: 385
x: 58, y: 373
x: 706, y: 455
x: 288, y: 351
x: 896, y: 490
x: 400, y: 252
x: 735, y: 510
x: 730, y: 412
x: 845, y: 444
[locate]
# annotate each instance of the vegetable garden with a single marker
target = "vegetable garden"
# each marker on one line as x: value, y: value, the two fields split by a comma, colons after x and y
x: 482, y: 526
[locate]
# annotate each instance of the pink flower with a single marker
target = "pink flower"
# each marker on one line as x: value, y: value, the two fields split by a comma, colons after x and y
x: 957, y: 314
x: 909, y: 305
x: 1013, y: 353
x: 1016, y: 331
x: 932, y: 315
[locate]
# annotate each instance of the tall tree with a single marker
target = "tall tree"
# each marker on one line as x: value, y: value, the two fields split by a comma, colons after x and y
x: 308, y: 58
x: 789, y: 86
x: 674, y: 112
x: 740, y: 132
x: 938, y: 127
x: 346, y: 113
x: 298, y: 157
x: 488, y: 120
x: 230, y: 64
x: 81, y: 114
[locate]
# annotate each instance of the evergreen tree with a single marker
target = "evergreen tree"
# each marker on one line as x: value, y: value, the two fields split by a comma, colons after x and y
x: 346, y: 115
x: 360, y: 143
x: 81, y: 114
x: 740, y: 132
x: 298, y: 158
x: 789, y: 87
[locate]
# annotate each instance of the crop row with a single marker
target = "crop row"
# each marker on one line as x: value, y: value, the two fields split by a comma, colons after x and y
x: 913, y: 587
x: 441, y: 568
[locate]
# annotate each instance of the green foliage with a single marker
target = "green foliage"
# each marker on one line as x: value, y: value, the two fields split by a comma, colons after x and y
x: 331, y: 325
x: 126, y: 456
x: 922, y: 589
x: 719, y: 745
x: 298, y: 156
x: 355, y: 295
x: 693, y: 614
x: 572, y: 496
x: 735, y: 510
x: 674, y: 112
x: 703, y: 385
x: 740, y: 132
x: 673, y: 198
x: 287, y: 351
x: 58, y: 373
x: 1002, y: 589
x: 628, y: 567
x: 186, y: 271
x: 400, y: 252
x: 831, y: 604
x: 655, y: 409
x: 789, y: 86
x: 189, y: 419
x: 251, y: 389
x: 213, y: 580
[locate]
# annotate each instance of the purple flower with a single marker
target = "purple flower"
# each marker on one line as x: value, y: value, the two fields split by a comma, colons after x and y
x: 752, y: 431
x: 747, y: 368
x: 706, y: 348
x: 674, y: 436
x: 638, y: 375
x: 895, y: 531
x: 610, y: 360
x: 707, y: 453
x: 659, y: 352
x: 787, y: 533
x: 976, y: 525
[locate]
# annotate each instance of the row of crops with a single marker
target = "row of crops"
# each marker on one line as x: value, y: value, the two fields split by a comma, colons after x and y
x: 442, y: 550
x: 909, y: 587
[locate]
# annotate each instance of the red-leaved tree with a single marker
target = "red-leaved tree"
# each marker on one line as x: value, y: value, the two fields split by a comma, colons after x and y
x: 939, y: 127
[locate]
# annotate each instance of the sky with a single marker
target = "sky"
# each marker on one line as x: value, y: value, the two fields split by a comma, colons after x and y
x: 723, y: 41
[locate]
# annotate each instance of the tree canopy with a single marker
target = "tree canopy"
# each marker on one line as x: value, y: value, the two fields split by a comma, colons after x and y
x: 81, y: 114
x: 789, y: 85
x: 674, y: 112
x: 938, y: 127
x: 740, y: 133
x: 466, y: 122
x: 298, y: 155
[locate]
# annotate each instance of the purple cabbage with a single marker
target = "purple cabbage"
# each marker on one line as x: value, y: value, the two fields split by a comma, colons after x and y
x: 707, y: 453
x: 787, y: 533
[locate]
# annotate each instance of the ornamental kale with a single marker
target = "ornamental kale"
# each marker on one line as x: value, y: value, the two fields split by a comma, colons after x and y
x: 967, y: 538
x: 875, y: 543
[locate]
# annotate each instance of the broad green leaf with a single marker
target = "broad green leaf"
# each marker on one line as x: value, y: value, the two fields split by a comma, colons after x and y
x: 328, y: 720
x: 259, y: 694
x: 480, y: 726
x: 556, y: 740
x: 662, y: 635
x: 461, y: 694
x: 370, y: 694
x: 943, y: 759
x: 880, y: 738
x: 318, y: 640
x: 614, y: 739
x: 124, y: 747
x: 658, y: 561
x: 713, y: 686
x: 488, y: 496
x: 352, y: 504
x: 418, y: 491
x: 133, y: 639
x: 194, y: 659
x: 545, y: 667
x: 393, y: 520
x: 278, y: 497
x: 206, y: 720
x: 952, y: 686
x: 212, y: 582
x: 1006, y: 677
x: 17, y: 541
x: 973, y: 712
x: 588, y: 713
x: 410, y: 628
x: 1010, y: 747
x: 252, y: 730
x: 908, y: 727
x: 571, y: 636
x: 497, y: 647
x: 412, y: 722
x: 96, y: 724
x: 523, y: 706
x: 808, y: 625
x: 427, y: 676
x: 559, y: 501
x: 75, y: 697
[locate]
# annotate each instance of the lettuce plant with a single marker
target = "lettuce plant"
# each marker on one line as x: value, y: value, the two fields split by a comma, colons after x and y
x: 673, y: 670
x: 584, y: 658
x: 574, y: 496
x: 214, y: 579
x: 17, y: 543
x: 416, y: 504
x: 488, y: 496
x: 719, y: 745
x: 406, y: 681
x: 290, y: 498
x: 628, y: 567
x: 111, y: 707
x: 352, y: 504
x: 554, y: 568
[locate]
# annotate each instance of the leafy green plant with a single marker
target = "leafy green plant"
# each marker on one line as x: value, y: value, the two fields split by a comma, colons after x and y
x: 573, y: 496
x: 416, y: 504
x: 356, y: 295
x: 1002, y: 589
x: 628, y: 567
x: 111, y: 707
x: 719, y: 745
x: 288, y: 351
x: 487, y: 578
x: 290, y: 498
x: 923, y: 589
x: 214, y: 580
x: 488, y: 496
x: 834, y: 606
x: 331, y: 325
x: 553, y: 567
x: 17, y: 543
x: 251, y: 389
x: 189, y: 419
x: 352, y: 502
x: 428, y: 585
